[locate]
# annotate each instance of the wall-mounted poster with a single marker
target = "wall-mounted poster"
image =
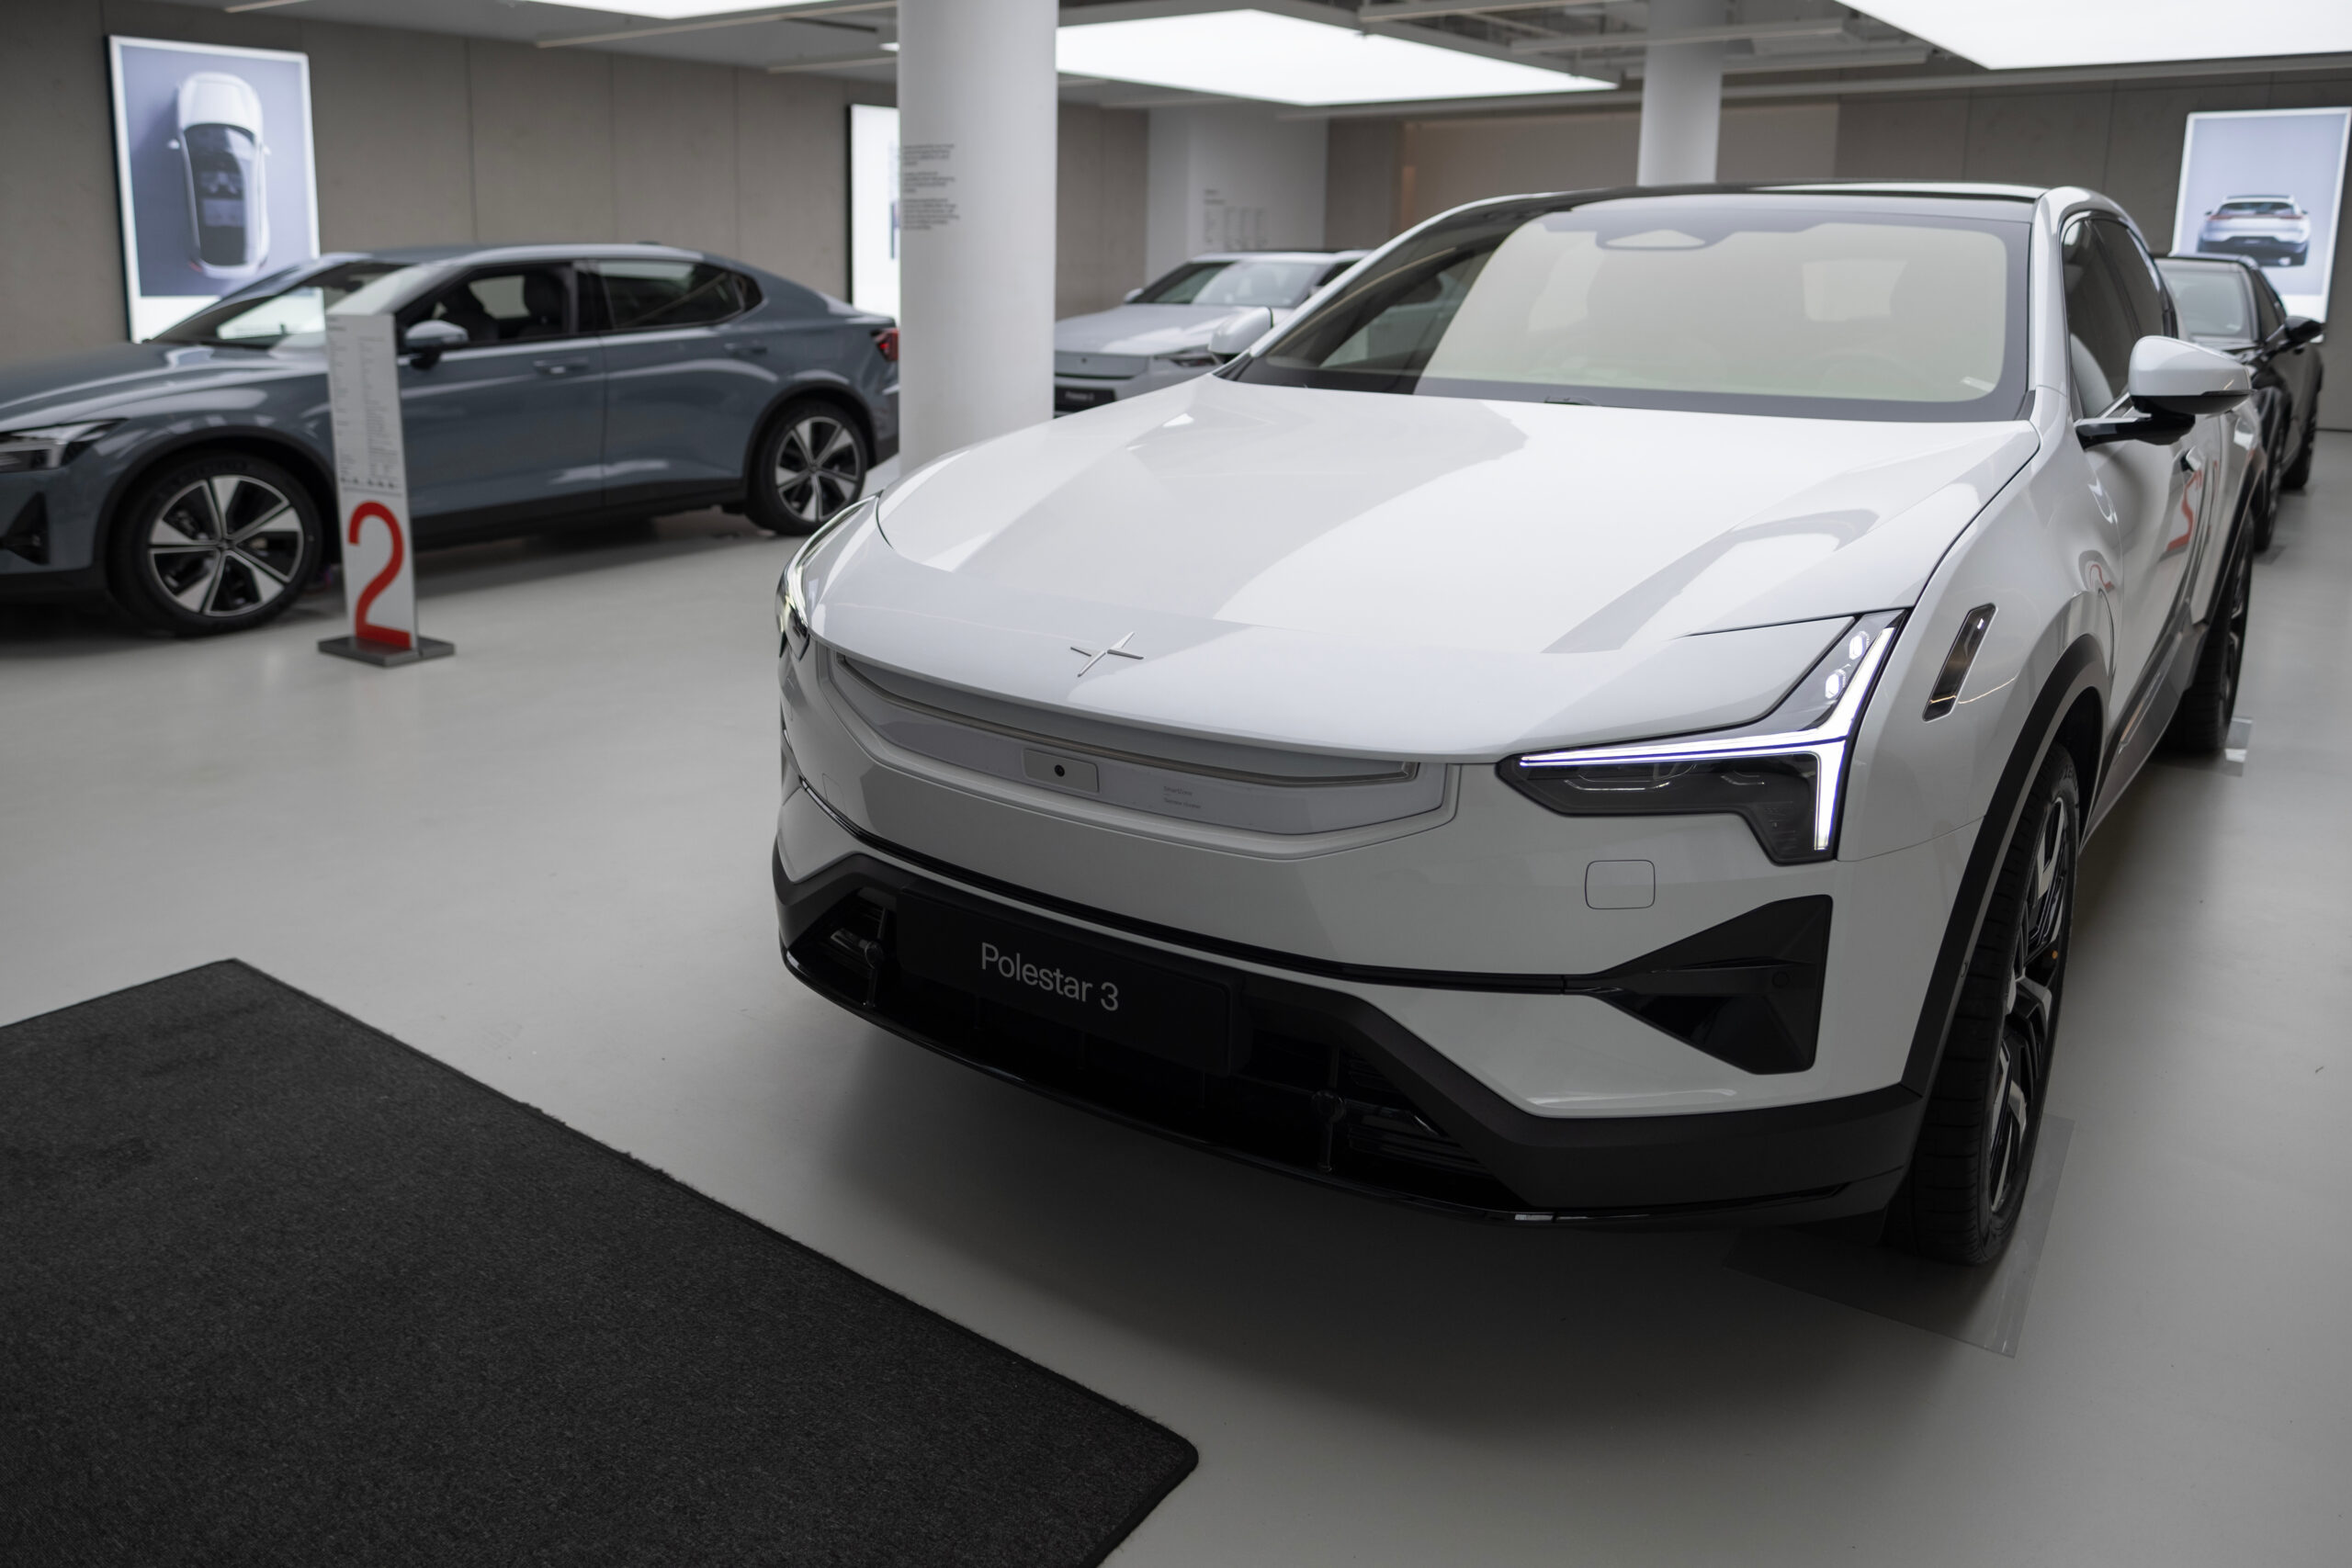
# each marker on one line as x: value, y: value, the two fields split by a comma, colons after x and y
x: 2266, y: 185
x: 212, y: 154
x: 873, y: 208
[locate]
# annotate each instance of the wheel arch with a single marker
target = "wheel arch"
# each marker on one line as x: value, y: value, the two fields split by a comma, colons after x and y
x: 2070, y: 711
x: 307, y: 466
x: 822, y: 388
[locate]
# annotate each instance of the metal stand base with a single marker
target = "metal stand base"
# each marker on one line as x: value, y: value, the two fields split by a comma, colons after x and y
x: 384, y: 655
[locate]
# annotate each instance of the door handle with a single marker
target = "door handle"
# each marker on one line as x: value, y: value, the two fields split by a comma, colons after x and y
x: 736, y: 347
x: 559, y: 366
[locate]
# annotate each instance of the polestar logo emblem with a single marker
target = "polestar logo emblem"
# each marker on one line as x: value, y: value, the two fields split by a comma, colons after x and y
x: 1095, y: 655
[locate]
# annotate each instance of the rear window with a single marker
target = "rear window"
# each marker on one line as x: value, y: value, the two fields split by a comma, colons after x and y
x: 647, y: 295
x: 1753, y: 306
x: 1277, y: 284
x: 2258, y: 209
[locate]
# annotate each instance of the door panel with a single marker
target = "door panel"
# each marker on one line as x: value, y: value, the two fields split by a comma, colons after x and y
x: 509, y: 427
x: 685, y: 377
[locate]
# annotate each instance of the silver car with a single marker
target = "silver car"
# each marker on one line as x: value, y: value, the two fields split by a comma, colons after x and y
x: 1186, y: 323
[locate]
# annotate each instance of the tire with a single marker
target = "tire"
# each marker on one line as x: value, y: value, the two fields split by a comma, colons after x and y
x: 2299, y: 472
x: 2201, y: 723
x: 811, y: 462
x: 2263, y: 524
x: 1960, y: 1201
x: 222, y: 542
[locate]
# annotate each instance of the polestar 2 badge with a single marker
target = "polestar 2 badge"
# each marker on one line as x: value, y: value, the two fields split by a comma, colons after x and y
x: 1095, y: 655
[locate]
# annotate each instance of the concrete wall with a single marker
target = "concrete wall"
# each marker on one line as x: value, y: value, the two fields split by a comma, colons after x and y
x: 425, y: 136
x: 1233, y: 178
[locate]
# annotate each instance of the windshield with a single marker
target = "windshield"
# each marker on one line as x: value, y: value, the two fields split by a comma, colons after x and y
x: 245, y: 321
x: 2212, y: 303
x: 1733, y: 306
x: 1276, y: 284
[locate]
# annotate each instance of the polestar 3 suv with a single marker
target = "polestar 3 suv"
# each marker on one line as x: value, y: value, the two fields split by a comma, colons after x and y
x: 1593, y: 722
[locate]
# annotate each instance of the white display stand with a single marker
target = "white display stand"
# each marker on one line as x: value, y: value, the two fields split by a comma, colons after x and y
x: 371, y: 483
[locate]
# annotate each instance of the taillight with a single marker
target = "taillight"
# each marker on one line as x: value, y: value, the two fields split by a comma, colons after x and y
x: 887, y: 340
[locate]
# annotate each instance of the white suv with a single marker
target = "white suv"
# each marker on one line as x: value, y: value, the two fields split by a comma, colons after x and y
x: 1592, y: 724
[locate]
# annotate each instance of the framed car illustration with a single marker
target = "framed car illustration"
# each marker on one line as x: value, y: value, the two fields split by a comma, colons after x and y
x: 214, y: 171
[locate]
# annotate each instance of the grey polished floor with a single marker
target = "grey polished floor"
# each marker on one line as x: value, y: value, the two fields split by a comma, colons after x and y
x: 544, y: 861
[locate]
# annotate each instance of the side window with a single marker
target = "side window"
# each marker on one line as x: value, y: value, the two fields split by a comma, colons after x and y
x: 2269, y: 313
x: 2100, y: 330
x: 512, y: 304
x: 648, y: 295
x: 2142, y: 286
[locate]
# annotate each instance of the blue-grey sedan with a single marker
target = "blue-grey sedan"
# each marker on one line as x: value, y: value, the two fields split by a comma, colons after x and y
x: 191, y: 477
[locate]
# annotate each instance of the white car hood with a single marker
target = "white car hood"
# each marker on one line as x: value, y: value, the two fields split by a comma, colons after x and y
x: 1424, y: 578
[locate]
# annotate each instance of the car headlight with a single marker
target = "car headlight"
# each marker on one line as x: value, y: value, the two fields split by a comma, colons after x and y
x: 792, y: 588
x: 49, y: 446
x: 1192, y: 359
x: 1783, y: 775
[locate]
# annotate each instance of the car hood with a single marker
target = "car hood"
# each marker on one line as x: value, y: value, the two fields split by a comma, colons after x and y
x: 1428, y: 577
x: 1142, y: 329
x: 101, y: 381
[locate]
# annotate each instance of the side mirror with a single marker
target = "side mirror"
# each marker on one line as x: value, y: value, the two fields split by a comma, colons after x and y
x: 1130, y: 297
x: 2301, y: 330
x: 427, y: 340
x: 2171, y: 383
x: 1240, y: 330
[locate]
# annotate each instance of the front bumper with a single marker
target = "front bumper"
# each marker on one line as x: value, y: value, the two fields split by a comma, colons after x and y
x: 1326, y: 1086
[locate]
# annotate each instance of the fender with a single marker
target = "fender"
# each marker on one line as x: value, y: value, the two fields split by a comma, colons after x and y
x: 305, y: 462
x: 2075, y: 677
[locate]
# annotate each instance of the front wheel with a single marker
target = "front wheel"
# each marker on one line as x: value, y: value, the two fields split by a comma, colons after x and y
x: 217, y: 544
x: 810, y: 464
x: 1967, y: 1182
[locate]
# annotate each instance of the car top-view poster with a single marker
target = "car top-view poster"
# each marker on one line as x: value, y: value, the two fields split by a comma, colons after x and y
x: 212, y: 156
x: 2266, y: 185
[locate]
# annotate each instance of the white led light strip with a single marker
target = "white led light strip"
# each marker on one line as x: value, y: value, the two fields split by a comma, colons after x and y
x: 1824, y: 743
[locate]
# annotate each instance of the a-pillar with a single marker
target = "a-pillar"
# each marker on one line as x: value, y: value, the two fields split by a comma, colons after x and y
x: 1682, y: 95
x: 976, y: 110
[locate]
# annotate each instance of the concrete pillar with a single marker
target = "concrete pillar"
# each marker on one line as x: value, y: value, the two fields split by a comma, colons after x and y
x: 1682, y: 97
x: 976, y: 110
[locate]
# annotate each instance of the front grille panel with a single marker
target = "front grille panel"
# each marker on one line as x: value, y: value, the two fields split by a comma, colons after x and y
x: 1296, y: 1101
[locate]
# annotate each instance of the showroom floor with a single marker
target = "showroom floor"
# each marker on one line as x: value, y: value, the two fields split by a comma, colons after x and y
x: 545, y: 862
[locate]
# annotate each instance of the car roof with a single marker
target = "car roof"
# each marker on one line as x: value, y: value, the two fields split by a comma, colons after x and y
x: 1278, y: 256
x: 2255, y: 196
x: 413, y: 255
x: 2231, y: 263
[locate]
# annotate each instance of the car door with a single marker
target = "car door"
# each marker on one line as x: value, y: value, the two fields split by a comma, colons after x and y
x: 2296, y: 369
x: 685, y: 378
x: 507, y: 430
x: 2151, y: 495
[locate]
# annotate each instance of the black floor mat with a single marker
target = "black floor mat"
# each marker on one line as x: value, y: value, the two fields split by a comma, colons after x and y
x: 275, y: 1289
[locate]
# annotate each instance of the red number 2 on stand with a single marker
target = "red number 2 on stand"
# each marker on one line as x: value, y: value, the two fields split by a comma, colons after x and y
x: 362, y: 627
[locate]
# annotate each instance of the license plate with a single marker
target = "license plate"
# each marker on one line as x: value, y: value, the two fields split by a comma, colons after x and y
x: 1070, y: 400
x: 1045, y: 973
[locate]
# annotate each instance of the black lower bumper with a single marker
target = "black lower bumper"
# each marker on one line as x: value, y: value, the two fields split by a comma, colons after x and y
x: 1329, y: 1086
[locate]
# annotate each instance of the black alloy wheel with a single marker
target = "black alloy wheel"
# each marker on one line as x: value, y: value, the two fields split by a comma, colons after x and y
x: 1969, y: 1174
x: 2201, y: 723
x: 217, y: 544
x: 812, y: 464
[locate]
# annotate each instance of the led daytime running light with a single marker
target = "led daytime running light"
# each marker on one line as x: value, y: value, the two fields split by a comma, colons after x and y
x: 1825, y: 743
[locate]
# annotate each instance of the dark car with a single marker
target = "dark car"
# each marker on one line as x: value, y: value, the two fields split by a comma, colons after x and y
x: 543, y: 387
x: 2229, y: 305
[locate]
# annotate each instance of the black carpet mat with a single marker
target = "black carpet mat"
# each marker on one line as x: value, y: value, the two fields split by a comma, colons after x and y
x: 277, y: 1288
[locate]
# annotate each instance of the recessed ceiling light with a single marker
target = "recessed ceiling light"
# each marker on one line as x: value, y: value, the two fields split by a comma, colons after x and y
x: 2014, y: 35
x: 1283, y: 60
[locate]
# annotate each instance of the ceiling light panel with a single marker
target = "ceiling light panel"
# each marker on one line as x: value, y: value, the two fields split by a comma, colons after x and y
x: 1283, y: 60
x: 2016, y: 35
